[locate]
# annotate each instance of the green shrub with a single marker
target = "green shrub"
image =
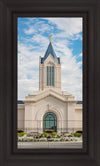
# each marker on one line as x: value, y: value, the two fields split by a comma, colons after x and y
x: 21, y: 134
x: 79, y: 131
x: 77, y: 134
x: 58, y: 136
x: 62, y: 139
x: 31, y: 140
x: 44, y: 134
x: 53, y: 134
x: 69, y: 135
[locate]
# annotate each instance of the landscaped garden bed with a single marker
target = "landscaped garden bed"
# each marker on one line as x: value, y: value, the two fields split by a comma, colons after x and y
x: 50, y: 137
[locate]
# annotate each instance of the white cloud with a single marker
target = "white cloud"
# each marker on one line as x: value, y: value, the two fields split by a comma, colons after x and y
x: 44, y: 27
x: 39, y: 26
x: 25, y: 86
x: 28, y: 70
x: 38, y: 38
x: 81, y: 54
x: 79, y: 63
x: 69, y: 26
x: 28, y: 62
x: 28, y: 56
x: 71, y: 72
x: 29, y: 31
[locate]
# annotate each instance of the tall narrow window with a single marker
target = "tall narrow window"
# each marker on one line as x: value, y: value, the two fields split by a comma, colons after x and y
x: 47, y: 75
x: 50, y: 75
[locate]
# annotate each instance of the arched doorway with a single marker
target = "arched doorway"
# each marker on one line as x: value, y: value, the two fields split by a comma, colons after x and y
x: 50, y: 122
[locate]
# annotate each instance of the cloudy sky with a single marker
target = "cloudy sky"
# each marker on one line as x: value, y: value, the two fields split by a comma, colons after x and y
x: 33, y: 40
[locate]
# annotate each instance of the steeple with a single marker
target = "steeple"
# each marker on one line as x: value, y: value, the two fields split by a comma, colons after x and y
x: 51, y: 51
x: 49, y: 69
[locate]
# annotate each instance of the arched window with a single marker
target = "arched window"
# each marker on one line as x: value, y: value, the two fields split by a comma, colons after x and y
x: 49, y: 121
x: 50, y: 75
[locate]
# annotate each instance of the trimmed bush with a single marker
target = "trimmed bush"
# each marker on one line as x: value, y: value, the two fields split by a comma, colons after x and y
x: 69, y: 135
x: 31, y: 140
x: 54, y: 134
x: 45, y: 134
x: 77, y: 134
x: 21, y: 134
x: 79, y: 131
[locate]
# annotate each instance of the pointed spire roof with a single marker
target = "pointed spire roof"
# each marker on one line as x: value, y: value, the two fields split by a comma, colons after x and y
x: 51, y: 51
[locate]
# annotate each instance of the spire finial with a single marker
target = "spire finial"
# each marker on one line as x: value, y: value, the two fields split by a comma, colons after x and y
x: 50, y: 37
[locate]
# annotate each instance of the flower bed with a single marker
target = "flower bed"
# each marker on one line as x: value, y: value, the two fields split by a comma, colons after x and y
x: 49, y: 137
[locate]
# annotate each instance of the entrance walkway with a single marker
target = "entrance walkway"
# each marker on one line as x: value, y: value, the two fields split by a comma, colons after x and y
x: 32, y: 145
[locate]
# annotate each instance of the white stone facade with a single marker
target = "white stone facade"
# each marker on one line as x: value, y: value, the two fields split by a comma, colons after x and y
x: 43, y: 73
x: 50, y: 99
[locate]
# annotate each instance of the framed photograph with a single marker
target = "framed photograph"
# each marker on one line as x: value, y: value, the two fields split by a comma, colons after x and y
x: 50, y: 83
x: 49, y: 65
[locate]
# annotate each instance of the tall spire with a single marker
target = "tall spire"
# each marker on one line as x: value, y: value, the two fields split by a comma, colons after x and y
x: 50, y: 38
x: 51, y: 51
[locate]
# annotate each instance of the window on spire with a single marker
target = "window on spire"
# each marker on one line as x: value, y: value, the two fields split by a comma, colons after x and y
x: 50, y: 75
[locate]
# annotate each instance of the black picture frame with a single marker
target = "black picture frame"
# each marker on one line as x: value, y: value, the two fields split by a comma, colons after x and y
x: 90, y: 11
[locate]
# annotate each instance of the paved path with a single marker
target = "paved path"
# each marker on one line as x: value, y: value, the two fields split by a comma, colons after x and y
x: 32, y: 145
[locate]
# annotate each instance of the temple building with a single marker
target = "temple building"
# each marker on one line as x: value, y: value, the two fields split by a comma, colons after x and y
x: 50, y: 107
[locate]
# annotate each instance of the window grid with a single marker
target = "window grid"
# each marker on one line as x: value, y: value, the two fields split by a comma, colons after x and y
x: 50, y: 75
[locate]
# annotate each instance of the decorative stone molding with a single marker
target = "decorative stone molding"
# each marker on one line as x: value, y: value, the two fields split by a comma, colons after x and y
x: 52, y: 108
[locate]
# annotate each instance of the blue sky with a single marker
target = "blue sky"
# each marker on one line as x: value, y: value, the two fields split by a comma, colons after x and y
x: 33, y: 40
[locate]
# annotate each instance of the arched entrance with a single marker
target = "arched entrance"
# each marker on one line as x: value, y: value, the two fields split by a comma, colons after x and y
x: 50, y: 122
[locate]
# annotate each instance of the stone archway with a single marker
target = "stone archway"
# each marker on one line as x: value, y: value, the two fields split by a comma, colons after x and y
x: 49, y: 121
x: 45, y: 109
